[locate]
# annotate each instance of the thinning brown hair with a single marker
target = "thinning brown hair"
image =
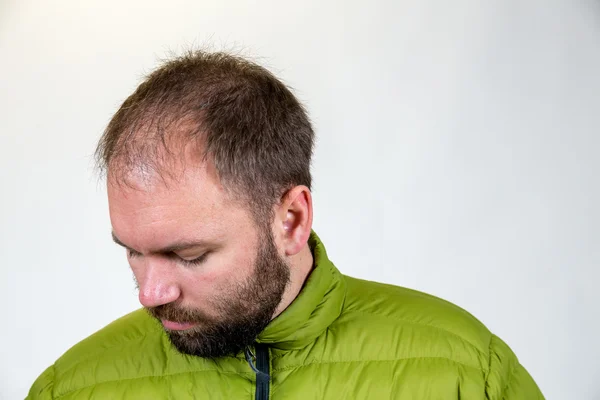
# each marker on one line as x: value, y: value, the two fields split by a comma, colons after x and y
x: 238, y: 114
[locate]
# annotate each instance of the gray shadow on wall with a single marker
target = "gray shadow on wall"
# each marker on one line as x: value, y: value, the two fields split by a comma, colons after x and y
x: 594, y: 8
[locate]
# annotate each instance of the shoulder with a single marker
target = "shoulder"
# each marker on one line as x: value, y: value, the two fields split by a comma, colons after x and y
x: 414, y: 324
x: 104, y: 356
x: 386, y: 323
x: 111, y: 341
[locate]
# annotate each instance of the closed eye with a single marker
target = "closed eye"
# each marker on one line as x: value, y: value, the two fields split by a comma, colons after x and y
x: 194, y: 262
x: 132, y: 253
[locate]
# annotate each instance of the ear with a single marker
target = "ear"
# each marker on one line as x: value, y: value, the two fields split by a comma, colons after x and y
x: 293, y: 220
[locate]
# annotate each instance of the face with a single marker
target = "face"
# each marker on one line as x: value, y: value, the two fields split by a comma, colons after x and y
x: 204, y: 269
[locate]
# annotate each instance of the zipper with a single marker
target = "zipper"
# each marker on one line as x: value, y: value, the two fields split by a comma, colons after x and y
x: 261, y: 368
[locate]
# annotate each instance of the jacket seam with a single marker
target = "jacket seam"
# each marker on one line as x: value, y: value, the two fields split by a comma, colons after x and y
x: 248, y: 374
x: 489, y: 371
x: 373, y: 361
x: 509, y: 380
x: 53, y: 382
x: 421, y: 324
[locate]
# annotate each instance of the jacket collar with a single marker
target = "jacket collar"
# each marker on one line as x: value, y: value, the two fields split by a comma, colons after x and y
x: 318, y: 304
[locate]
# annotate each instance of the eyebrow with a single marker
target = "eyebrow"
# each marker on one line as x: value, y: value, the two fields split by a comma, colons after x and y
x: 173, y: 248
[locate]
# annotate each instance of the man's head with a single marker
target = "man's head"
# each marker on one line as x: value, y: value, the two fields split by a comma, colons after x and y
x: 208, y: 169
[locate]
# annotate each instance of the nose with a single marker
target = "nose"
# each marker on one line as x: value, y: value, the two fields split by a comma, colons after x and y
x: 157, y: 285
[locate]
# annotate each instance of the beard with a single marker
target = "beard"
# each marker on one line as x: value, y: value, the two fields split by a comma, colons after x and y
x: 244, y: 312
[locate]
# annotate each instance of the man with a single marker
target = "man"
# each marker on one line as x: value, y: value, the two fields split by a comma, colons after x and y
x: 208, y: 176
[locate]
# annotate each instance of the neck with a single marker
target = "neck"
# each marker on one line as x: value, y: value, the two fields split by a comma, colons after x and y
x: 301, y: 265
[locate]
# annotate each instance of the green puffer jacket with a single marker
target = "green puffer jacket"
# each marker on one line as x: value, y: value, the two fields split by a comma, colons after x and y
x: 342, y: 338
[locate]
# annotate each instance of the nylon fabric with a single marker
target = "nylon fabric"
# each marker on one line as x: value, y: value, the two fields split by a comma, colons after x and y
x: 341, y: 338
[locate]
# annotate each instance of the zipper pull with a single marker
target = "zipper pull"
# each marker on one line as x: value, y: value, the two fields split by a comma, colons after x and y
x: 250, y: 358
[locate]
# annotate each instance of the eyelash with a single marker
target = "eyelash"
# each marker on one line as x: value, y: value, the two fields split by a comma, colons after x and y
x: 191, y: 263
x: 132, y: 254
x: 195, y: 262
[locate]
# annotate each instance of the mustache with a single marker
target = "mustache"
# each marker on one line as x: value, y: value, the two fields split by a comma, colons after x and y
x: 176, y: 313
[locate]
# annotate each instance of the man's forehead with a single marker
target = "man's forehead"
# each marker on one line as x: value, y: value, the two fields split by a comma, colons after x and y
x: 147, y: 211
x: 159, y: 219
x: 157, y: 201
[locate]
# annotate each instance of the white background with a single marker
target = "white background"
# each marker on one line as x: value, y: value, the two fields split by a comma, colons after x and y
x: 457, y: 154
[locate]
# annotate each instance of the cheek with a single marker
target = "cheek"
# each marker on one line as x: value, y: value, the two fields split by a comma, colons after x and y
x: 202, y: 283
x: 221, y: 273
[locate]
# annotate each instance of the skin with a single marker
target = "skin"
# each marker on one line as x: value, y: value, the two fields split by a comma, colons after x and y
x: 161, y: 224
